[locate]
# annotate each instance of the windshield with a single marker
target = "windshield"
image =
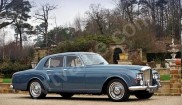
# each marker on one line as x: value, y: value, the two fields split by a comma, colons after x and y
x: 93, y: 59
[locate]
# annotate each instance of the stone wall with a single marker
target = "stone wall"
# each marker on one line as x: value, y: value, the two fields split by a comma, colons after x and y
x: 175, y: 81
x: 165, y: 89
x: 5, y: 88
x: 171, y: 87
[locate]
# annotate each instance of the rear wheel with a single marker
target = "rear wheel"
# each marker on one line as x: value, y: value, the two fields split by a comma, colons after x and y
x: 143, y: 95
x: 66, y: 95
x: 117, y: 90
x: 36, y: 90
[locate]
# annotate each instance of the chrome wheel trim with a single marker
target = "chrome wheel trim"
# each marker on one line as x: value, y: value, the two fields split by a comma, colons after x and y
x: 35, y: 89
x: 116, y: 91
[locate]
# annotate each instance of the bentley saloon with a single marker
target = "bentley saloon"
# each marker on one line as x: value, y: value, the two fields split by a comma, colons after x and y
x: 86, y: 73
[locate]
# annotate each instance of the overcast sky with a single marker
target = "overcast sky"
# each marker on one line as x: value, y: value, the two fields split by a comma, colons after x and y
x: 67, y: 10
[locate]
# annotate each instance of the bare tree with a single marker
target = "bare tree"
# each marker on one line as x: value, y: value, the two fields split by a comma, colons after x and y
x: 127, y: 9
x: 5, y: 14
x: 77, y: 23
x: 96, y: 15
x: 43, y: 15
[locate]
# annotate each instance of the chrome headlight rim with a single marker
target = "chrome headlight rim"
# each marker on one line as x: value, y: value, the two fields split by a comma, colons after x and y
x: 139, y: 76
x: 156, y: 76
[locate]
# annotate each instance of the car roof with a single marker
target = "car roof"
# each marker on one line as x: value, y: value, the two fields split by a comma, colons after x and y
x: 70, y: 53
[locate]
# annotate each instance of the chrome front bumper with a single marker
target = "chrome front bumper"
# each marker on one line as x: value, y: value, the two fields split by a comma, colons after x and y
x: 147, y: 88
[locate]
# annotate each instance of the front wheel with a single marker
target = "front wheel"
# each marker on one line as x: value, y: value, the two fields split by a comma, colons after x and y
x: 143, y: 95
x: 117, y: 90
x: 36, y: 90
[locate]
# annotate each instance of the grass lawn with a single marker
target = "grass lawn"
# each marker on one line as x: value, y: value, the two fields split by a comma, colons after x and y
x: 165, y: 77
x: 7, y: 80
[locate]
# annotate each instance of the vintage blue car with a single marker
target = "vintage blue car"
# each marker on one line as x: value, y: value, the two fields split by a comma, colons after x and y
x: 86, y: 73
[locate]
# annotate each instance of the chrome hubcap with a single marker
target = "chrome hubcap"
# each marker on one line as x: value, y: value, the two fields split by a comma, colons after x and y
x: 116, y: 90
x: 35, y: 89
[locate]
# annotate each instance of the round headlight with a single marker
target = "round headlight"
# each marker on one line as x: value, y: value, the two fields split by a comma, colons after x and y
x: 156, y: 76
x: 139, y: 76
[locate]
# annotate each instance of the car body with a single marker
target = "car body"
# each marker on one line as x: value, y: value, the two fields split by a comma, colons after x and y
x: 86, y: 73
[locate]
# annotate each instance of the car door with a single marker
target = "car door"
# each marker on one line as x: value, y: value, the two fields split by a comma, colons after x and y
x: 54, y: 69
x: 74, y: 74
x: 95, y: 78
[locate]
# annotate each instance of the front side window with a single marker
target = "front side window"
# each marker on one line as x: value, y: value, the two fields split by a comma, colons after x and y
x: 54, y: 62
x: 73, y: 61
x: 93, y: 59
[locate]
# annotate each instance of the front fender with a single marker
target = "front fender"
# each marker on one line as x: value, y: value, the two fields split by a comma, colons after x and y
x: 123, y: 77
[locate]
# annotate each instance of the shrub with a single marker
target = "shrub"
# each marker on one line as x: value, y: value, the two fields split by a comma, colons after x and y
x: 84, y: 43
x: 8, y: 68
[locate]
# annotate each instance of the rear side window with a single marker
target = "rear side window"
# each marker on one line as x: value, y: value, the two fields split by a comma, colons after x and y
x: 73, y: 61
x: 54, y: 62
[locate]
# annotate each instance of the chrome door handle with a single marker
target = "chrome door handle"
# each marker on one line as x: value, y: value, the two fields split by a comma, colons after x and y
x: 48, y: 70
x: 65, y: 69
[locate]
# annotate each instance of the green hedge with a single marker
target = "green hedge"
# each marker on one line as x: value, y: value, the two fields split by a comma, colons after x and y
x: 8, y: 68
x: 7, y: 80
x: 165, y: 77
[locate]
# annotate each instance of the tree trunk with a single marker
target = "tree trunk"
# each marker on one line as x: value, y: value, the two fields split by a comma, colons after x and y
x: 21, y: 46
x: 20, y: 33
x: 1, y: 5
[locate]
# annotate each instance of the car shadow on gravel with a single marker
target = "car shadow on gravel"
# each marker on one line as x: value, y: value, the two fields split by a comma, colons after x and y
x: 85, y: 99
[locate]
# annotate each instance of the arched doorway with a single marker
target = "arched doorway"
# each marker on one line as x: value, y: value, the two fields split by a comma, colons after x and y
x: 116, y: 53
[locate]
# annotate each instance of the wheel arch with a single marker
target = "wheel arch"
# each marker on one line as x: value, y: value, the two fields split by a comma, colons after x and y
x: 35, y: 78
x: 104, y: 87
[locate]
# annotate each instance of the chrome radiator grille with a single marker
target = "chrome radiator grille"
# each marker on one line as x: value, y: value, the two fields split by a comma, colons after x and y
x: 147, y: 77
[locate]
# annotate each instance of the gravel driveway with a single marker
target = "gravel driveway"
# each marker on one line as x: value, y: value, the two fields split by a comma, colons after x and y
x: 54, y: 99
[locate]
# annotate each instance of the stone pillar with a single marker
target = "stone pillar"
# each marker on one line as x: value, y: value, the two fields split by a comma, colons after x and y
x: 175, y: 81
x: 165, y: 89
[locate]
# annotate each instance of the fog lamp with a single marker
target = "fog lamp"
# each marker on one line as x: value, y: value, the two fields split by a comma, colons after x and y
x: 141, y: 82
